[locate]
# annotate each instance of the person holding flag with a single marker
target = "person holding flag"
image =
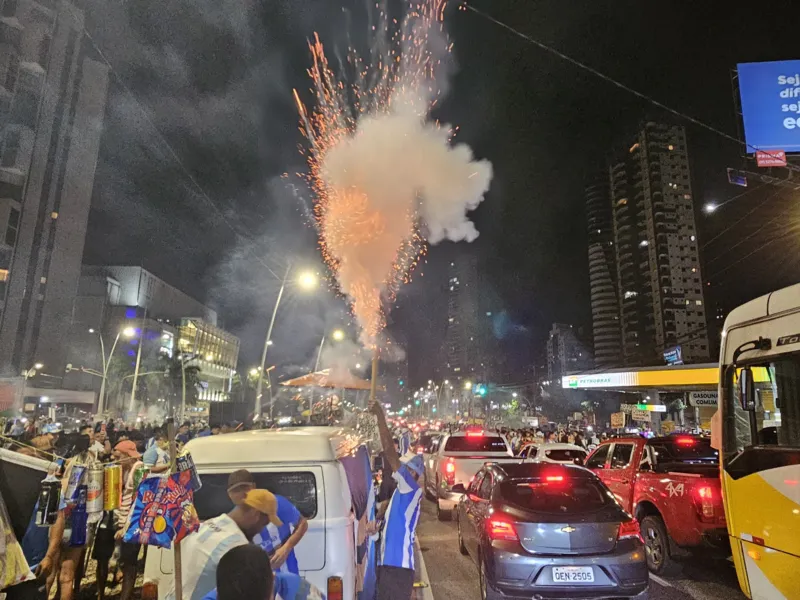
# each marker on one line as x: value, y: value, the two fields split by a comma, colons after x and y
x: 396, y: 553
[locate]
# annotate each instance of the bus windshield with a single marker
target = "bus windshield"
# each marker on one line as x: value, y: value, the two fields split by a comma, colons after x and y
x: 777, y: 413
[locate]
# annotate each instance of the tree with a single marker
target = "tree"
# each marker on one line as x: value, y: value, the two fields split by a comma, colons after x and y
x: 175, y: 369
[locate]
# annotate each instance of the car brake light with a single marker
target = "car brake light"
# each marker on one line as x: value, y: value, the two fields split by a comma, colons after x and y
x: 150, y: 590
x: 629, y: 529
x: 450, y: 471
x: 474, y: 434
x: 502, y: 530
x: 705, y: 494
x: 554, y: 478
x: 335, y: 588
x: 685, y: 441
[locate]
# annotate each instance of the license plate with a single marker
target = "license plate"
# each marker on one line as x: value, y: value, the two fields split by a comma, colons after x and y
x: 573, y: 575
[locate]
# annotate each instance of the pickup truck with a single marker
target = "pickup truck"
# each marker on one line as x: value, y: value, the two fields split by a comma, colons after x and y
x: 455, y: 458
x: 671, y: 485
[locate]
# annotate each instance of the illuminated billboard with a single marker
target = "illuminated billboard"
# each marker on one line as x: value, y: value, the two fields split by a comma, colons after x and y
x: 770, y: 95
x: 648, y: 377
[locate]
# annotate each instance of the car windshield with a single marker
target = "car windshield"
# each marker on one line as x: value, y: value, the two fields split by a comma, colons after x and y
x: 777, y: 407
x: 561, y: 496
x: 685, y: 450
x: 565, y: 455
x: 475, y: 443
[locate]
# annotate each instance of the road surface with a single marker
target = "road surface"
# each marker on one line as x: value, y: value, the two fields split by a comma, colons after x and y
x: 451, y: 575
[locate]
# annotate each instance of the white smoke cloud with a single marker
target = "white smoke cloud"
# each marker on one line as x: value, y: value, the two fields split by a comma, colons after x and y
x: 399, y: 160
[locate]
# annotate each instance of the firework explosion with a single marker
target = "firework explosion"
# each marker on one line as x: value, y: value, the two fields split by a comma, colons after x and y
x: 386, y: 178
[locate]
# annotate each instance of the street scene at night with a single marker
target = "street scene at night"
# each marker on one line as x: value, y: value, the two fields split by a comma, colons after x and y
x: 399, y: 300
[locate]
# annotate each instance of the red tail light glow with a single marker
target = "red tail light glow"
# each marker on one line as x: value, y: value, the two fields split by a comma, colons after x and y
x: 474, y: 434
x: 502, y: 530
x: 554, y: 478
x: 450, y: 472
x: 629, y: 529
x: 685, y: 441
x: 705, y: 501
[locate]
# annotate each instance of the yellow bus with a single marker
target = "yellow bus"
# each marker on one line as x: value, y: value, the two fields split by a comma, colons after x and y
x: 759, y: 401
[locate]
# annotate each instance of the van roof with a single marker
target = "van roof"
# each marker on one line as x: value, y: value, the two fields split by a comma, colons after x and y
x: 295, y: 444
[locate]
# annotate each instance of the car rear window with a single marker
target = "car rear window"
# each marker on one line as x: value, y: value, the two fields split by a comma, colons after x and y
x: 685, y: 450
x: 564, y: 455
x: 299, y: 487
x: 477, y: 443
x: 567, y: 496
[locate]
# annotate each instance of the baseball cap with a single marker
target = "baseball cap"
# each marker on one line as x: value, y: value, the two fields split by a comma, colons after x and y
x: 414, y: 462
x: 240, y: 477
x: 128, y: 448
x: 264, y: 502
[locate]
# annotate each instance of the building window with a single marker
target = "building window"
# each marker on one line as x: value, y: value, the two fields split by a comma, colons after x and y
x: 13, y: 227
x: 698, y: 302
x: 11, y: 148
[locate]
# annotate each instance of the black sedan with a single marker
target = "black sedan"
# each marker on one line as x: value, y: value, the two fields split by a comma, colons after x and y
x: 549, y: 531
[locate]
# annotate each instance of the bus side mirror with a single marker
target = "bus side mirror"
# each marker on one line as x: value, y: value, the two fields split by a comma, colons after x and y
x: 747, y: 389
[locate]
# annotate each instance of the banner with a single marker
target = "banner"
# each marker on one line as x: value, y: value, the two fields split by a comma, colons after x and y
x: 164, y: 511
x: 640, y: 415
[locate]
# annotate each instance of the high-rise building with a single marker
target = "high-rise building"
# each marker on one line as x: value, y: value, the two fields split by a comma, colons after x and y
x: 566, y: 352
x: 655, y: 240
x: 52, y: 106
x: 603, y: 277
x: 462, y: 349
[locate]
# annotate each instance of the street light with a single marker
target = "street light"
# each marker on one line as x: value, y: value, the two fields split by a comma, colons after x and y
x: 128, y: 332
x: 253, y: 372
x: 710, y: 207
x: 467, y: 385
x: 306, y: 280
x: 338, y: 335
x: 514, y: 395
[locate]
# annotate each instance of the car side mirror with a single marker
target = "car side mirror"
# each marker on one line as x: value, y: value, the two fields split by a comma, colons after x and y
x: 747, y: 389
x: 458, y: 489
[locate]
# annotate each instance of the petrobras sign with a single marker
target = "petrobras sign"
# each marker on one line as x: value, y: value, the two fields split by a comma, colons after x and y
x: 599, y: 380
x: 770, y: 99
x: 703, y: 398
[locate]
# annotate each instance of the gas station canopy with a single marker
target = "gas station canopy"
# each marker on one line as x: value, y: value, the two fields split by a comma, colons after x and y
x: 666, y: 378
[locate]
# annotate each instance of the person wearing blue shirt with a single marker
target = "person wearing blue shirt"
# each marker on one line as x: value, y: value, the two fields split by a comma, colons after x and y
x: 396, y: 554
x: 278, y: 541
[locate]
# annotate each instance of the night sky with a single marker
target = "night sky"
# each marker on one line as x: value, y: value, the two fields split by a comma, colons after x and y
x: 215, y: 78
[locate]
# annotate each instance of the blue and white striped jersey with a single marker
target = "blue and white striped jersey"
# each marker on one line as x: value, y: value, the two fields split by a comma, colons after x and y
x: 402, y: 515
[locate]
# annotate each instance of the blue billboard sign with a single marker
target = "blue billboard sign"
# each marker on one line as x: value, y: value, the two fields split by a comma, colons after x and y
x: 770, y: 94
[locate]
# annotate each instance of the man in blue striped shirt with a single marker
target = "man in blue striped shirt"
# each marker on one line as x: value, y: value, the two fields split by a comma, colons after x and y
x: 396, y: 557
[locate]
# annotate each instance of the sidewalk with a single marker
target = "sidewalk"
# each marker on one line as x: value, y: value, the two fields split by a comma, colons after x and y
x: 422, y: 588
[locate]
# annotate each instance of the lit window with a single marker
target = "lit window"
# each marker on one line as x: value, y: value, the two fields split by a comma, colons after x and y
x: 643, y: 243
x: 694, y: 270
x: 631, y: 295
x: 671, y: 147
x: 43, y: 280
x: 698, y: 302
x: 693, y: 238
x: 54, y: 215
x: 3, y: 274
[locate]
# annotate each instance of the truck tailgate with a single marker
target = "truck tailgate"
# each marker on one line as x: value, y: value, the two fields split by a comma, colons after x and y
x: 467, y: 466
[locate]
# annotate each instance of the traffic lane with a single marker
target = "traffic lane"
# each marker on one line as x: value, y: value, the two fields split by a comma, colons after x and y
x: 452, y: 575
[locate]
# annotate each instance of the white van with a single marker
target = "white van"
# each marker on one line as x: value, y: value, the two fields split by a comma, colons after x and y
x: 304, y: 466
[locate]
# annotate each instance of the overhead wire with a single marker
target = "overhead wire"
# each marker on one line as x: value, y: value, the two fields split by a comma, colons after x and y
x: 541, y: 45
x: 750, y: 212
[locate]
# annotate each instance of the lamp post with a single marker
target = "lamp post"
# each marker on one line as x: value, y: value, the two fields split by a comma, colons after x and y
x: 128, y: 332
x: 306, y: 280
